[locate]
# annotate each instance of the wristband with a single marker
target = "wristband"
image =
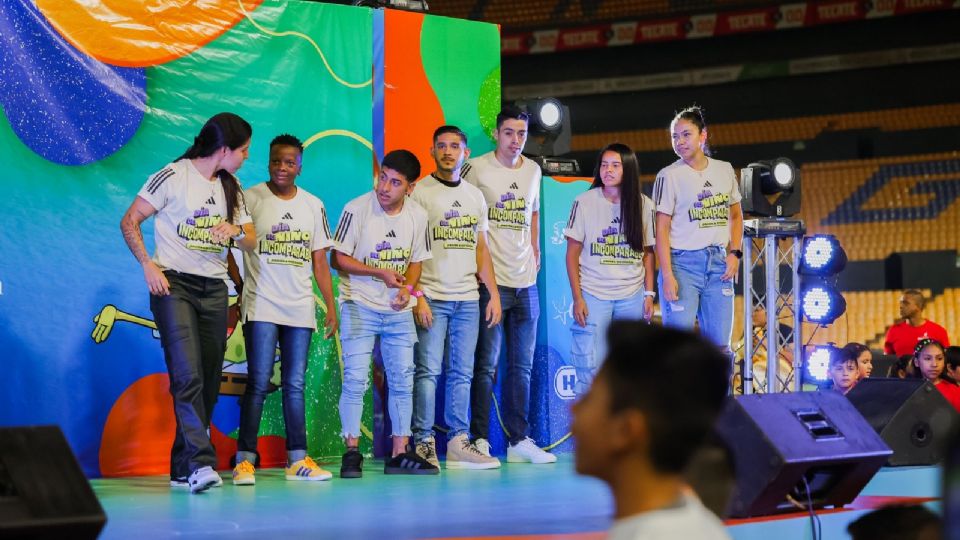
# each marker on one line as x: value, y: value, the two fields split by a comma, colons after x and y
x: 737, y: 253
x: 414, y: 293
x: 239, y: 236
x: 651, y: 294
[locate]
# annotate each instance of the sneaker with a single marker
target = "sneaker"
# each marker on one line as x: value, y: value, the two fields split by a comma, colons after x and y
x: 463, y: 454
x: 352, y: 464
x: 527, y: 451
x: 307, y: 470
x: 427, y: 449
x: 243, y: 474
x: 483, y: 446
x: 409, y: 463
x: 203, y: 479
x: 181, y: 482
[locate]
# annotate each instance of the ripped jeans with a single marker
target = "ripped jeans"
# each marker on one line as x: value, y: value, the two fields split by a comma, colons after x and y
x: 703, y: 296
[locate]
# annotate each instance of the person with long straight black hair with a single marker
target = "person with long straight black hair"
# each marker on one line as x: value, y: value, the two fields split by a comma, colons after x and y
x: 610, y: 259
x: 198, y: 208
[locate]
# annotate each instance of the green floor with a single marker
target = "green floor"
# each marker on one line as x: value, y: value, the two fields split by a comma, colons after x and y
x: 518, y: 499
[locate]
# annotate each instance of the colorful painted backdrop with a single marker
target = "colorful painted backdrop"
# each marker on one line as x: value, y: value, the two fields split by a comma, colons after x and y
x: 97, y: 95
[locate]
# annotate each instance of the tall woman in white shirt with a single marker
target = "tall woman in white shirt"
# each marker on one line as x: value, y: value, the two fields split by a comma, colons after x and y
x: 700, y: 233
x: 610, y: 260
x: 198, y: 208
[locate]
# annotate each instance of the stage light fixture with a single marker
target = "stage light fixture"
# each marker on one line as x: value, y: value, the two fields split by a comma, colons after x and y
x: 822, y: 255
x: 771, y: 188
x: 821, y: 302
x: 549, y: 135
x: 548, y: 114
x: 817, y: 362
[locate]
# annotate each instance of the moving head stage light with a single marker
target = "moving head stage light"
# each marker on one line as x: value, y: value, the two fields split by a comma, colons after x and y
x: 549, y: 136
x: 771, y: 188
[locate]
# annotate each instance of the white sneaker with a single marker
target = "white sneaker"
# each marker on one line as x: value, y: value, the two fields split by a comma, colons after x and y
x: 527, y: 451
x: 483, y: 446
x: 203, y: 479
x: 462, y: 454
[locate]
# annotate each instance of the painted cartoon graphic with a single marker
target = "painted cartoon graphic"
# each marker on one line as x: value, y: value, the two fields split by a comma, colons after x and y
x: 234, y: 379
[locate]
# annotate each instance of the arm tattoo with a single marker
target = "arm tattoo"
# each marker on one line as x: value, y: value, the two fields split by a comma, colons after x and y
x: 134, y: 237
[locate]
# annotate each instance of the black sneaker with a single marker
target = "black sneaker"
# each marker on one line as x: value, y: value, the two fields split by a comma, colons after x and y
x: 352, y: 464
x: 409, y: 463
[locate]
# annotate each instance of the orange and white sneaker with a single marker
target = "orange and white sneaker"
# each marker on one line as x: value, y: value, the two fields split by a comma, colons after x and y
x: 243, y: 474
x: 307, y: 470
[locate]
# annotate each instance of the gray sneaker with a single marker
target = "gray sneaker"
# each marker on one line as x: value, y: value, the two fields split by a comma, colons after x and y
x: 483, y: 446
x: 427, y: 449
x: 463, y: 454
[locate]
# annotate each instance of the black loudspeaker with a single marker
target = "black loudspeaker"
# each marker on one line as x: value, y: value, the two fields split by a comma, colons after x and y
x: 786, y: 446
x: 911, y: 416
x: 43, y: 492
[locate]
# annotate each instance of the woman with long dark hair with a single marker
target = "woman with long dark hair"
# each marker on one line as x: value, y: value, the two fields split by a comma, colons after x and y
x: 198, y: 208
x: 699, y: 233
x: 610, y: 260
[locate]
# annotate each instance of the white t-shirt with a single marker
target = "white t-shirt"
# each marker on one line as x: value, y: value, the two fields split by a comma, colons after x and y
x: 457, y: 214
x: 512, y: 196
x: 188, y: 205
x: 609, y: 268
x: 377, y: 239
x: 278, y: 274
x: 698, y: 201
x: 690, y: 519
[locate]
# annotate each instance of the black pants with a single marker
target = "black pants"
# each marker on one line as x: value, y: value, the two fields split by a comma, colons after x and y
x: 192, y: 322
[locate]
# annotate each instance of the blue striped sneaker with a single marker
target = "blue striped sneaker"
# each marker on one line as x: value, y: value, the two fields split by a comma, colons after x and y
x: 409, y: 463
x: 307, y: 470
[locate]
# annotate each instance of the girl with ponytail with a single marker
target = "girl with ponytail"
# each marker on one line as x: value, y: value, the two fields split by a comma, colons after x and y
x: 198, y: 211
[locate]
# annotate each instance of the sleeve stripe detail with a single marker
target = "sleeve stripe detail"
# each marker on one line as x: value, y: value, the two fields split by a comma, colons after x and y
x: 573, y: 214
x: 344, y: 226
x: 158, y: 180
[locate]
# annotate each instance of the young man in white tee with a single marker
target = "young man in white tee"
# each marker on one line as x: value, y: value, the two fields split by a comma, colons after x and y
x: 379, y: 245
x: 510, y: 184
x: 278, y: 307
x: 651, y: 405
x: 448, y: 312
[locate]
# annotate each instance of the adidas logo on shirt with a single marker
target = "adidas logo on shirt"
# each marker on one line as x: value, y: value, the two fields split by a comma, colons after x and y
x: 456, y: 204
x: 211, y: 200
x: 514, y: 186
x: 616, y: 219
x: 707, y: 184
x: 391, y: 234
x: 287, y: 216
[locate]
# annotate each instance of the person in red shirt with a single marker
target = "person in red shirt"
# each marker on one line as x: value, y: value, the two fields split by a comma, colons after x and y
x: 928, y: 360
x: 902, y: 337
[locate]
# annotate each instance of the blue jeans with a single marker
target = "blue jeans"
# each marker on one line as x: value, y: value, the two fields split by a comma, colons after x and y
x: 703, y: 296
x: 261, y: 339
x: 359, y: 328
x: 521, y: 309
x: 589, y: 343
x: 458, y: 321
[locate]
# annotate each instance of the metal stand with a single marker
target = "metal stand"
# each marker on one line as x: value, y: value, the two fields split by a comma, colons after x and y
x: 770, y: 243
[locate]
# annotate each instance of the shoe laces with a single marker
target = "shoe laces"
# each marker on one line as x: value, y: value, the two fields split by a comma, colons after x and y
x: 482, y: 445
x: 471, y: 448
x: 426, y: 450
x: 245, y: 467
x: 310, y: 463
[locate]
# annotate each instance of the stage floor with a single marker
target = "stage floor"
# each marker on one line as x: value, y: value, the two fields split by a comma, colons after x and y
x: 518, y: 500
